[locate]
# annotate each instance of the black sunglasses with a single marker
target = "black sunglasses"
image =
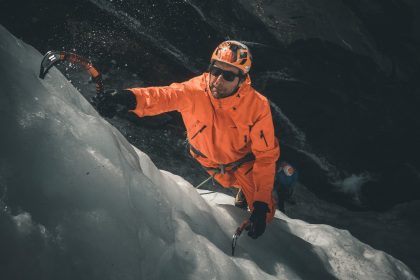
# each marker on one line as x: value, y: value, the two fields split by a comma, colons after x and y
x: 227, y: 75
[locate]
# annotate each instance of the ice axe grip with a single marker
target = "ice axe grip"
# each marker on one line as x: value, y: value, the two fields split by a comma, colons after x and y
x: 244, y: 226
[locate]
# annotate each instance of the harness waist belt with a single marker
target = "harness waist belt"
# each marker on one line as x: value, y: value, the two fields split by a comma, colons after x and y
x: 222, y: 167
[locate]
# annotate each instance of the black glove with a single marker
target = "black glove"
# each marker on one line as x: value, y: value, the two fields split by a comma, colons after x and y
x: 111, y: 101
x: 257, y: 219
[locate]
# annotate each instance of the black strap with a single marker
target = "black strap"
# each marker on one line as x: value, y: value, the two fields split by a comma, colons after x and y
x: 195, y: 151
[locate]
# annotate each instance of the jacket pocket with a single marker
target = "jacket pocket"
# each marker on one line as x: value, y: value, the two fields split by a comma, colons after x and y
x: 199, y: 131
x: 246, y: 140
x: 262, y: 136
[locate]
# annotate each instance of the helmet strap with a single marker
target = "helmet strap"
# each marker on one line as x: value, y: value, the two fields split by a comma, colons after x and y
x: 241, y: 79
x: 210, y: 66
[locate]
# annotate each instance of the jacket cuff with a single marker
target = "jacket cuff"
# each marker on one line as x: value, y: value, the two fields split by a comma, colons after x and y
x: 138, y: 109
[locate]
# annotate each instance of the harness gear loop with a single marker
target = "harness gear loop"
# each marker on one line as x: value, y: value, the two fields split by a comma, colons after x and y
x: 222, y: 168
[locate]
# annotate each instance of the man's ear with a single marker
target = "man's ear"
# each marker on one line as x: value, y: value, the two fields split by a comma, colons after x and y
x: 242, y: 80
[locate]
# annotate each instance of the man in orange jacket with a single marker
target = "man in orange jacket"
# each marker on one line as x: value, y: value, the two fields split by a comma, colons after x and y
x: 229, y: 125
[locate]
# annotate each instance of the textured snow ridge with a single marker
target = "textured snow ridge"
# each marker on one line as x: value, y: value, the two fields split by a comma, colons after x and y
x: 77, y: 201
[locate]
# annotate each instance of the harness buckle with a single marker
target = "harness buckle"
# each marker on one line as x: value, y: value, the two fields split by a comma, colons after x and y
x: 222, y: 168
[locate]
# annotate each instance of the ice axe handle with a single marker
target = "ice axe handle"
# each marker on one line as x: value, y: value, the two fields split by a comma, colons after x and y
x: 245, y: 224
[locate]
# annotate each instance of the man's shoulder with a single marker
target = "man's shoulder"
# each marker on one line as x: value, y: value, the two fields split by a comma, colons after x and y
x: 258, y: 97
x: 255, y: 105
x: 195, y: 85
x: 197, y: 82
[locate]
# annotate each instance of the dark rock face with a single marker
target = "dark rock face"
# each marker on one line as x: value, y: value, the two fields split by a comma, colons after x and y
x: 341, y: 74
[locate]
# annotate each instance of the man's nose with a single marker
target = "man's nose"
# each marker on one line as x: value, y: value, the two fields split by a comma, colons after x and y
x: 219, y: 79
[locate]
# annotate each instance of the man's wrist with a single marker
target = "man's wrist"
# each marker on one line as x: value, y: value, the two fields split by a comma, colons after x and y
x: 261, y: 207
x: 126, y: 98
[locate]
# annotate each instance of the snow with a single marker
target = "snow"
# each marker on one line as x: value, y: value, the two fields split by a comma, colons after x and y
x: 353, y: 184
x: 137, y: 27
x: 77, y: 201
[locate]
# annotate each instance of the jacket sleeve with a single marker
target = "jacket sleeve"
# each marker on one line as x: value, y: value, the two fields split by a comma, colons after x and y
x: 266, y: 149
x: 156, y: 100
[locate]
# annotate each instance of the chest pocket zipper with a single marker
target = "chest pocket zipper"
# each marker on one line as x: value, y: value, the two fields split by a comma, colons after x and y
x: 199, y: 131
x: 263, y: 137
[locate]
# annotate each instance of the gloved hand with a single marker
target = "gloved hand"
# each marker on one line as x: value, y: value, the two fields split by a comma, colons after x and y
x: 257, y: 219
x: 107, y: 102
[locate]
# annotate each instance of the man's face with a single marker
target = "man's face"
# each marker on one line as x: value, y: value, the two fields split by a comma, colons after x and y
x: 219, y: 86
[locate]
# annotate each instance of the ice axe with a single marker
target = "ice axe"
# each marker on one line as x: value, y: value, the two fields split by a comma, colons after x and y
x: 244, y: 226
x: 53, y: 57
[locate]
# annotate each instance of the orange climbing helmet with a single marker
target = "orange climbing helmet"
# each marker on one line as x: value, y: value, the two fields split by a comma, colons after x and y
x: 233, y: 53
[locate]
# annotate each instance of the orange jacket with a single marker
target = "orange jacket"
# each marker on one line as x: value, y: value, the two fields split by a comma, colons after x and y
x: 224, y: 130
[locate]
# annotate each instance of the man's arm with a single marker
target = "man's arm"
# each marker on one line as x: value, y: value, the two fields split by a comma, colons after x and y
x: 147, y: 101
x: 266, y: 149
x: 156, y: 100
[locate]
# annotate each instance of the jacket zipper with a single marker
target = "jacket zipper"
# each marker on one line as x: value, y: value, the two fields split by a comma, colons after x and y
x: 263, y: 137
x: 201, y: 130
